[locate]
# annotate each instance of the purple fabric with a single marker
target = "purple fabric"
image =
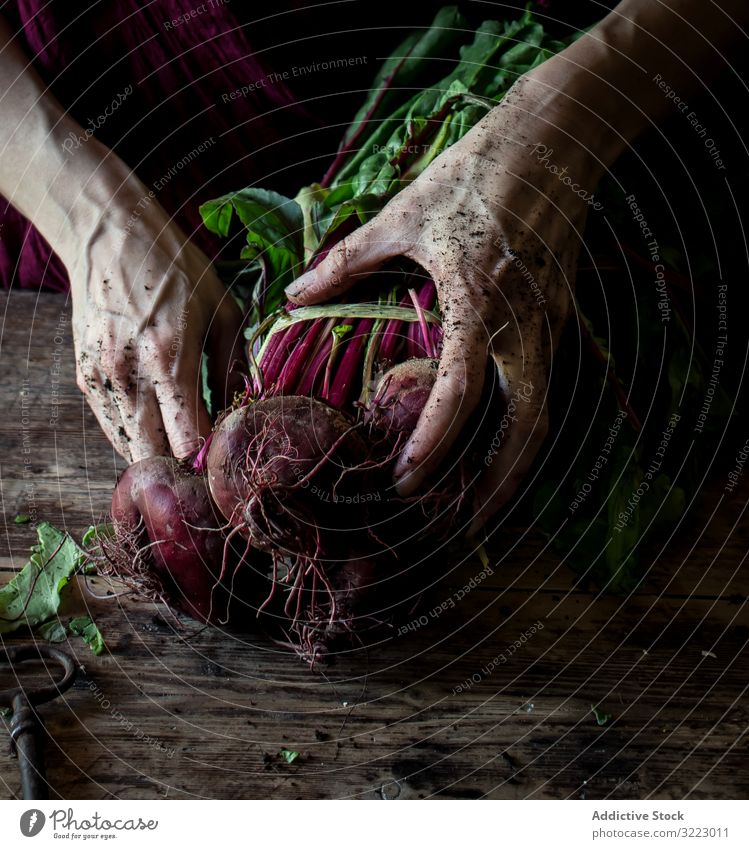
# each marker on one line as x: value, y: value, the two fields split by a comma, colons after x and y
x: 179, y: 75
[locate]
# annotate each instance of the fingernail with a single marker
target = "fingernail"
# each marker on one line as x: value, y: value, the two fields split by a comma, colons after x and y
x: 298, y: 286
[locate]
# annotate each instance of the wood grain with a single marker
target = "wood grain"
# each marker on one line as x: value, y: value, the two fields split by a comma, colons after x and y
x: 175, y: 711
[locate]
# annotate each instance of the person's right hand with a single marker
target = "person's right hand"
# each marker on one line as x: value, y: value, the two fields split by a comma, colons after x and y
x: 146, y: 303
x: 496, y: 220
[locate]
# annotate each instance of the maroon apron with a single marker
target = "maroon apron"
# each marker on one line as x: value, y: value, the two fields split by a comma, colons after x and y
x: 181, y: 95
x: 181, y: 98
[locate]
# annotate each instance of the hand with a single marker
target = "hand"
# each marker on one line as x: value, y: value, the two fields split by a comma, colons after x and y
x: 146, y: 303
x: 498, y: 228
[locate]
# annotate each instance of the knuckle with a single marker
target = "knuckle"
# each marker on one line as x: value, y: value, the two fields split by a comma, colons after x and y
x: 81, y: 381
x: 117, y: 369
x: 453, y: 385
x: 339, y: 260
x: 157, y: 355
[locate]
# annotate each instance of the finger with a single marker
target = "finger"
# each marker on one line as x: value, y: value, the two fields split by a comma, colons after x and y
x: 519, y: 436
x: 142, y: 420
x: 353, y: 258
x: 453, y: 398
x: 106, y: 411
x: 181, y: 405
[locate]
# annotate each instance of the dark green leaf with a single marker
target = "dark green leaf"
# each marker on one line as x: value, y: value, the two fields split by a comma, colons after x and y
x: 217, y: 215
x: 275, y: 228
x: 488, y: 66
x: 53, y: 631
x: 22, y: 519
x: 411, y: 66
x: 329, y: 219
x: 33, y: 596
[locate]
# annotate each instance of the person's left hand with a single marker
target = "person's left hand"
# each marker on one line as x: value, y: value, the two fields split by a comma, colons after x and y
x: 146, y: 305
x: 499, y: 232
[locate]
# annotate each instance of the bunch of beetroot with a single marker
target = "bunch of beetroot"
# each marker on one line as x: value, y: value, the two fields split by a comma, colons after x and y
x: 288, y: 513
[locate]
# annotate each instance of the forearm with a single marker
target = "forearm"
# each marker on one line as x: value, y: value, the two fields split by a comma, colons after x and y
x: 63, y: 193
x: 604, y: 87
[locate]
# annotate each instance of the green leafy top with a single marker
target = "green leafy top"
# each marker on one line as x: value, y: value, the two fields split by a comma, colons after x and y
x: 397, y: 134
x: 275, y: 228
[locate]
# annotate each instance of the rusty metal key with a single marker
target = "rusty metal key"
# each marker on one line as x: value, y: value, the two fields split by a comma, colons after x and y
x: 25, y: 723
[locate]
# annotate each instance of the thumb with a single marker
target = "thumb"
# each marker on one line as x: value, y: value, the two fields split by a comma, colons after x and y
x: 347, y: 262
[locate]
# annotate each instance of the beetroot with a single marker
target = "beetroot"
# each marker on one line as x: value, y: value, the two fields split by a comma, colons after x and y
x: 285, y: 470
x: 350, y: 608
x: 297, y: 479
x: 400, y: 396
x: 170, y: 543
x: 301, y: 471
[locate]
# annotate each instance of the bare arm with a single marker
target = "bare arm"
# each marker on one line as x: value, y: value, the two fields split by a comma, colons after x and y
x: 610, y: 78
x: 145, y: 300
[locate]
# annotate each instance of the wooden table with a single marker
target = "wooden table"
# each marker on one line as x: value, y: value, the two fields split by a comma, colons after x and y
x: 179, y: 712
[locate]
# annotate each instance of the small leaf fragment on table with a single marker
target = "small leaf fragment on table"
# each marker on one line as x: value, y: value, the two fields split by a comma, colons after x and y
x: 288, y: 756
x: 85, y: 627
x: 22, y: 519
x: 602, y: 718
